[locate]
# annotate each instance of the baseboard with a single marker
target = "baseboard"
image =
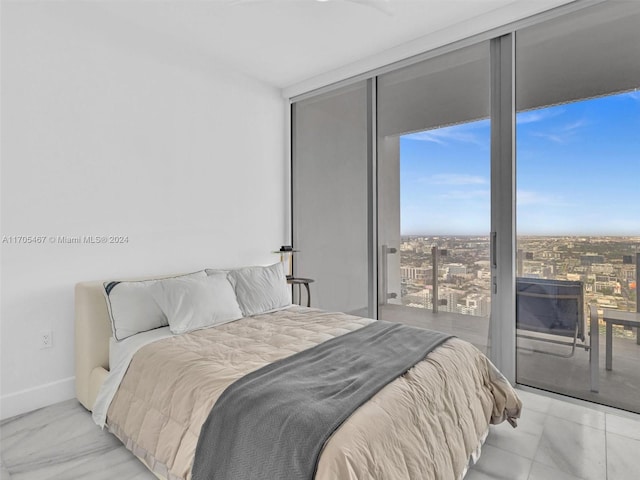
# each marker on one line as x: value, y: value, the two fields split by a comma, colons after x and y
x: 33, y: 398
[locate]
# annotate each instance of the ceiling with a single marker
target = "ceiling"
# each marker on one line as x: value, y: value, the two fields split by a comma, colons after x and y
x: 288, y: 42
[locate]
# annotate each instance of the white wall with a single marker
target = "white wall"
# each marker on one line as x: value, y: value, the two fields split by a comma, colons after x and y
x: 110, y: 130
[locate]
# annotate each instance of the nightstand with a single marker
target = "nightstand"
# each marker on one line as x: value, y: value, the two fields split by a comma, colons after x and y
x: 299, y: 282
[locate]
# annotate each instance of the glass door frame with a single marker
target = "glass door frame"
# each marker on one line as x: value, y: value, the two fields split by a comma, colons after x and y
x: 502, y: 348
x: 502, y: 324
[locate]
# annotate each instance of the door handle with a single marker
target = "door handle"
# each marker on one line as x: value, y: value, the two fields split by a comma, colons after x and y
x: 494, y: 241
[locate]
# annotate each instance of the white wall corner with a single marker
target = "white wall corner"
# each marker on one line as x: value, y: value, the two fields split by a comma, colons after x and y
x: 31, y: 399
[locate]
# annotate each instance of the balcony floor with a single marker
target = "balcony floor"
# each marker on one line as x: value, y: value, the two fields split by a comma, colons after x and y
x: 619, y: 387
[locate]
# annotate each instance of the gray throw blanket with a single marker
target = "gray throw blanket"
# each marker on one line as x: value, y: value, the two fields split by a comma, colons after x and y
x: 273, y: 422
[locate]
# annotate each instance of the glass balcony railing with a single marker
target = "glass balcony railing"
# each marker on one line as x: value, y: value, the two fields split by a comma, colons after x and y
x: 446, y: 274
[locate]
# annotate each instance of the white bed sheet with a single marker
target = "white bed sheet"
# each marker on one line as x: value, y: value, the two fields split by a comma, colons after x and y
x: 120, y: 355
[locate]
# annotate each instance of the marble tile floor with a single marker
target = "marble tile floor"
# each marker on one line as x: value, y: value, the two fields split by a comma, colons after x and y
x: 555, y: 440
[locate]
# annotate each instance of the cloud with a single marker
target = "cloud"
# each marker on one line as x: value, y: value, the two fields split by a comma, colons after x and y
x: 538, y: 115
x: 564, y: 133
x: 465, y: 195
x: 443, y: 137
x: 455, y: 179
x: 529, y: 198
x: 635, y: 95
x: 426, y: 137
x: 457, y: 133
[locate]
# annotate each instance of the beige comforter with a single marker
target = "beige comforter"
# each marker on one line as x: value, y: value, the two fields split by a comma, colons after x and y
x: 424, y: 425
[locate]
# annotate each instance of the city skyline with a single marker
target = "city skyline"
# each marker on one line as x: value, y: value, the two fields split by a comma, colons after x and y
x: 578, y: 172
x: 606, y: 269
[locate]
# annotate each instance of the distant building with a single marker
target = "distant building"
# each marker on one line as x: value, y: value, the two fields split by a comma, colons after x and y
x: 448, y: 299
x: 455, y: 269
x: 417, y: 274
x: 604, y: 278
x: 607, y: 288
x: 484, y: 275
x: 602, y: 268
x: 477, y: 304
x: 588, y: 260
x: 547, y: 271
x: 628, y: 272
x: 407, y: 247
x: 417, y: 300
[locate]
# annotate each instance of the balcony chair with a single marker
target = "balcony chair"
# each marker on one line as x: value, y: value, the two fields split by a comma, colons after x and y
x: 553, y: 308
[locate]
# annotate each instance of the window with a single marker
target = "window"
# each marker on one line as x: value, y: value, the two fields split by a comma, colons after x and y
x: 441, y: 169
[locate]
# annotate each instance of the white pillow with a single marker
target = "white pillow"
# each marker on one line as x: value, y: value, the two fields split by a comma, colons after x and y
x: 214, y: 271
x: 195, y: 303
x: 133, y: 309
x: 261, y: 289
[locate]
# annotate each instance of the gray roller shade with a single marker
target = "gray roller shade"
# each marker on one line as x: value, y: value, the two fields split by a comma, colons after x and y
x: 591, y: 53
x: 441, y: 91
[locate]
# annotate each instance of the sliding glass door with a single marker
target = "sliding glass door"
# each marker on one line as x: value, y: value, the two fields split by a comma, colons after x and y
x: 434, y: 194
x: 578, y: 209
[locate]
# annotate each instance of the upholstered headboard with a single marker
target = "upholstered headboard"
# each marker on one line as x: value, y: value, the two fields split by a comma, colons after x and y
x: 92, y: 334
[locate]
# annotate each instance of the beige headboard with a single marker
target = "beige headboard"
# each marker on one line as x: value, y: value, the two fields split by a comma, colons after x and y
x: 92, y: 334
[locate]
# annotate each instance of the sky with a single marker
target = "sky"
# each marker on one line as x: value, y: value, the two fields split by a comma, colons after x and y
x: 577, y: 172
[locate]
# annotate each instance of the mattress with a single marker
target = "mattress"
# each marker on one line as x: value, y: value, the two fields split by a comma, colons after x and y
x: 426, y: 424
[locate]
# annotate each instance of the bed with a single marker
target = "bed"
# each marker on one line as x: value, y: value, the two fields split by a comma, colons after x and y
x: 430, y: 422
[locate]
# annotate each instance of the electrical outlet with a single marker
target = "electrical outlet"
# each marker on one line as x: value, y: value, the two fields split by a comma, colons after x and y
x: 46, y: 339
